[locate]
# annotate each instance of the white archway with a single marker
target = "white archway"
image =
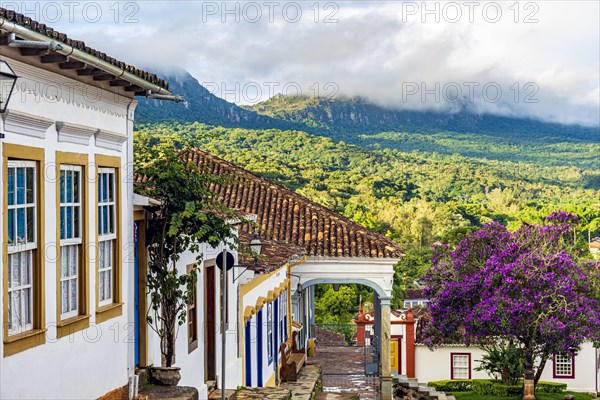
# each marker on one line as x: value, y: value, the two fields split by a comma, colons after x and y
x: 376, y: 273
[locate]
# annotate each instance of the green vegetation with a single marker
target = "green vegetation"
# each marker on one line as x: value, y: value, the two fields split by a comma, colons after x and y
x: 538, y: 396
x: 417, y: 197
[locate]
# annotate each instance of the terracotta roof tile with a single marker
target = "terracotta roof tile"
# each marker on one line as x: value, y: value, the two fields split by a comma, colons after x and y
x: 288, y: 217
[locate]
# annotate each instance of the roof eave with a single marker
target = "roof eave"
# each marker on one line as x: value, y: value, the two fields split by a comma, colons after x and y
x: 79, y: 55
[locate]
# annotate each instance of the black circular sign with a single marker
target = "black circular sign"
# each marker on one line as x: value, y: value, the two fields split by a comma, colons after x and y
x: 229, y: 260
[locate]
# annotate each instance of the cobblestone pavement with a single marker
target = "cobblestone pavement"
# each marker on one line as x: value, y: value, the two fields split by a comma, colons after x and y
x: 343, y: 372
x: 309, y: 381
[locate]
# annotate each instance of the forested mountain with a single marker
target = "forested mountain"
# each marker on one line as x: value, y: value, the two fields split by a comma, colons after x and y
x: 359, y: 122
x: 202, y: 106
x: 351, y: 116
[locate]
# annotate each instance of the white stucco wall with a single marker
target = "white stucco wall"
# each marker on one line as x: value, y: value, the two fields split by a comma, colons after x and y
x: 585, y: 371
x: 435, y: 365
x: 88, y: 363
x: 193, y: 364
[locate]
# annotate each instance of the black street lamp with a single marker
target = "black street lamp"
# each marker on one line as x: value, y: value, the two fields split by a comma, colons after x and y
x: 8, y: 79
x: 255, y: 246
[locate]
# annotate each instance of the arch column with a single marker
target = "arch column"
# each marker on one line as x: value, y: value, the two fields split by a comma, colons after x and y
x: 386, y: 328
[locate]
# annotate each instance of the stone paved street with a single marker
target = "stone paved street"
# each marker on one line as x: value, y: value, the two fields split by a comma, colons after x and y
x: 343, y: 372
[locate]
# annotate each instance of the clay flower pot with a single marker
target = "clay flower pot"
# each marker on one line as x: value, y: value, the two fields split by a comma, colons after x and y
x: 165, y: 376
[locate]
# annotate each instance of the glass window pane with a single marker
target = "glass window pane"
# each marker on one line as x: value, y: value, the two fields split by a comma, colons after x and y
x: 30, y: 225
x: 27, y: 294
x: 111, y: 187
x: 105, y: 219
x: 76, y: 183
x: 26, y: 267
x: 15, y: 309
x: 64, y: 295
x: 99, y: 220
x: 20, y: 185
x: 69, y: 222
x: 101, y: 254
x: 108, y: 284
x: 64, y: 262
x: 11, y: 260
x: 76, y: 221
x: 11, y: 226
x: 105, y: 187
x: 30, y: 185
x: 73, y: 260
x: 101, y: 286
x: 69, y: 186
x: 63, y: 177
x: 20, y: 225
x: 11, y: 186
x: 73, y: 294
x: 111, y: 219
x: 99, y: 188
x: 63, y: 217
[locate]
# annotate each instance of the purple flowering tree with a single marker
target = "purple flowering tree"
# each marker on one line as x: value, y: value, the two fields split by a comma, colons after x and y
x: 526, y: 286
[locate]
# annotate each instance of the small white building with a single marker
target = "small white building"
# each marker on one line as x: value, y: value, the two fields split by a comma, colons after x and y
x: 67, y: 215
x: 578, y: 372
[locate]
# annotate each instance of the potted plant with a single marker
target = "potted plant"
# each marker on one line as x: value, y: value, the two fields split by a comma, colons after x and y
x: 188, y: 214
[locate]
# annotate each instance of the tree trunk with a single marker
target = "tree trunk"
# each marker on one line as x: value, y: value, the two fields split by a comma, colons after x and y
x: 538, y: 373
x: 529, y: 381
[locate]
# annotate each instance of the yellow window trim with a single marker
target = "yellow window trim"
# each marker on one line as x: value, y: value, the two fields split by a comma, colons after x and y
x: 37, y: 336
x: 108, y: 311
x: 114, y: 309
x: 71, y: 325
x: 82, y: 320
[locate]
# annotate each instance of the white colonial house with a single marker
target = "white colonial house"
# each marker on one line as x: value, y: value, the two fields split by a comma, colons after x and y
x: 409, y: 356
x: 67, y: 214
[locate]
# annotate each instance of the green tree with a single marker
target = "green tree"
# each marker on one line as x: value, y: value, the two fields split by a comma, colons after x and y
x: 187, y: 216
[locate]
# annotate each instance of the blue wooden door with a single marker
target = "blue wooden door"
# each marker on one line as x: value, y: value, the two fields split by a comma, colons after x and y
x: 248, y: 352
x: 136, y: 294
x: 259, y: 346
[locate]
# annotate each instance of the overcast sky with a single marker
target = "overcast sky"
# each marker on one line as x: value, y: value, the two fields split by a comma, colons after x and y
x: 538, y: 59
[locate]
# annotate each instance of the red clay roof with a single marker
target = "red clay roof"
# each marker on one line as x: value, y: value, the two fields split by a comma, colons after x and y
x: 38, y: 27
x: 286, y: 216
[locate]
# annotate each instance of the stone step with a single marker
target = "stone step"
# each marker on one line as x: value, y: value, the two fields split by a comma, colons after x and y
x: 230, y: 394
x: 450, y: 397
x: 211, y: 385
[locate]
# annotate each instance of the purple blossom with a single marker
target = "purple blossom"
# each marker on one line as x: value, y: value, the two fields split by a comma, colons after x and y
x: 524, y: 285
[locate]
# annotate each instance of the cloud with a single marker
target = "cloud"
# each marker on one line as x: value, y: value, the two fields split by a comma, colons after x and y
x: 543, y: 56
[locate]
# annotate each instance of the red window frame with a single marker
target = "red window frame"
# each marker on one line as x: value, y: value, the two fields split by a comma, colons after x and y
x: 452, y: 364
x: 555, y: 376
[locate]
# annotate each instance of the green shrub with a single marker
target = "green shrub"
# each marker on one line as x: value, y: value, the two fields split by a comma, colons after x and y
x: 551, y: 387
x: 495, y: 388
x: 455, y: 385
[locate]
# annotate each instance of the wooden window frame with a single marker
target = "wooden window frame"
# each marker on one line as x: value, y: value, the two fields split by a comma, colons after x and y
x: 557, y: 376
x: 115, y: 308
x: 192, y: 316
x: 81, y: 317
x: 107, y: 238
x: 37, y: 335
x: 452, y: 364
